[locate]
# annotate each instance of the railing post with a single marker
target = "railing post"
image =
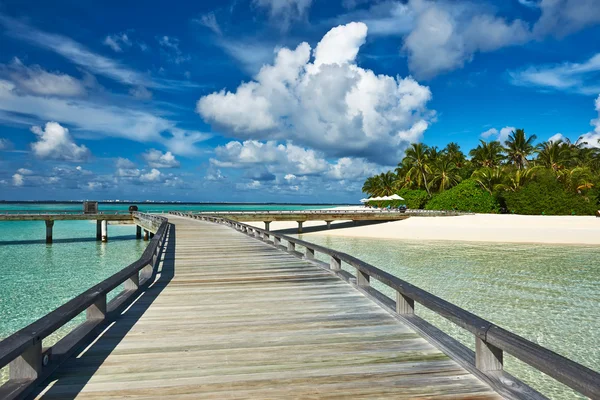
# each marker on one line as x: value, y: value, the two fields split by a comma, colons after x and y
x: 97, y: 310
x: 277, y: 241
x: 133, y: 283
x: 335, y: 263
x: 362, y: 279
x: 487, y: 357
x: 29, y: 364
x: 404, y: 305
x: 310, y: 253
x: 291, y: 246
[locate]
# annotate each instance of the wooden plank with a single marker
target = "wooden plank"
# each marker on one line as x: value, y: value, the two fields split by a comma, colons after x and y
x: 233, y: 317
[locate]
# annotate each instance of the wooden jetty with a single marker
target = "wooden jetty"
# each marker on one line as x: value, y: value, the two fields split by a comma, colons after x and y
x: 301, y: 216
x: 218, y: 309
x: 101, y: 219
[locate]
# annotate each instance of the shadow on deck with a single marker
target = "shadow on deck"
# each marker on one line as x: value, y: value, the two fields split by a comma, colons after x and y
x: 89, y: 356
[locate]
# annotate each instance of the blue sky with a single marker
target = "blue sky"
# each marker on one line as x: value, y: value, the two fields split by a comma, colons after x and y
x: 276, y: 100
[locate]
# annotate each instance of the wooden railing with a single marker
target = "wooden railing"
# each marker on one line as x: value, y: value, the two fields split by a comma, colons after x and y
x: 29, y: 363
x: 337, y: 212
x: 491, y: 341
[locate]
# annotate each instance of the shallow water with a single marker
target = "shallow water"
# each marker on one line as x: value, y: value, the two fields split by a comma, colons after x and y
x: 549, y: 294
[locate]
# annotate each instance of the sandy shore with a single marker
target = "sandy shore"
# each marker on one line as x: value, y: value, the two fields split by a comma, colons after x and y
x: 473, y: 228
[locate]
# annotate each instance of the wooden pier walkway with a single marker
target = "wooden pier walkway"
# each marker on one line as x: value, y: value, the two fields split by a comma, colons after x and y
x: 231, y: 317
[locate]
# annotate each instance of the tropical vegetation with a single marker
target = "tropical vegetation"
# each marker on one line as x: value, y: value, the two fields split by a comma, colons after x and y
x: 555, y: 177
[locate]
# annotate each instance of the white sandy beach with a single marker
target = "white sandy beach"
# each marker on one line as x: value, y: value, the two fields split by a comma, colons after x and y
x: 473, y: 228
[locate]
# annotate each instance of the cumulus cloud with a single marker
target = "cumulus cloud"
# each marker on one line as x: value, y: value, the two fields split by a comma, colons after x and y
x: 329, y: 104
x: 153, y: 176
x: 592, y: 139
x: 448, y: 34
x: 557, y: 137
x: 157, y: 159
x: 35, y: 80
x: 126, y: 168
x: 117, y: 41
x: 55, y: 143
x: 562, y: 17
x: 500, y: 136
x: 24, y: 171
x: 284, y: 12
x: 18, y: 179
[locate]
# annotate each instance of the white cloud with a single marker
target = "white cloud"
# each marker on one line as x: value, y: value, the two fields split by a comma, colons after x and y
x: 557, y: 137
x: 104, y: 119
x: 500, y: 136
x: 157, y: 159
x: 18, y: 180
x: 24, y: 171
x: 117, y: 41
x: 570, y: 77
x: 209, y: 20
x: 55, y: 143
x: 562, y: 17
x: 448, y: 34
x: 82, y: 56
x: 290, y: 177
x: 592, y: 139
x: 171, y: 46
x: 38, y: 81
x: 140, y: 93
x: 153, y: 176
x: 529, y: 3
x: 252, y: 185
x: 284, y: 12
x: 331, y: 104
x: 353, y: 169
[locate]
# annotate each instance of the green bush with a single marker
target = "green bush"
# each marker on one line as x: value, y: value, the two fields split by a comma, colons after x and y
x: 549, y: 197
x: 466, y: 196
x: 414, y: 198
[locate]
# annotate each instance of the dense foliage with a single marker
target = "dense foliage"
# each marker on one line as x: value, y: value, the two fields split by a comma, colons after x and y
x: 554, y: 177
x: 466, y: 196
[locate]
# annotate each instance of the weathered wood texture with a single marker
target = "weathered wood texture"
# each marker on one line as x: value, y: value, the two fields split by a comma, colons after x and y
x: 232, y: 317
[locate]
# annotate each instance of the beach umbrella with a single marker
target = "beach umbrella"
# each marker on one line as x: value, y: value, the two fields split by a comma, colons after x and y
x: 364, y: 200
x: 396, y: 197
x: 386, y: 198
x: 375, y: 199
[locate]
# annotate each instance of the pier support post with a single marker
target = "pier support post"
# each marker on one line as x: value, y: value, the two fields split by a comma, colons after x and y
x: 146, y: 235
x: 98, y: 230
x: 28, y: 365
x: 487, y: 357
x: 138, y: 232
x: 49, y: 225
x: 299, y: 226
x: 267, y: 225
x: 328, y: 224
x: 104, y: 230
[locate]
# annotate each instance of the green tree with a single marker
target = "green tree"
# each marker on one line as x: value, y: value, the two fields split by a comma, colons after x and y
x: 444, y: 174
x: 489, y: 178
x: 519, y: 147
x: 417, y: 161
x: 487, y: 154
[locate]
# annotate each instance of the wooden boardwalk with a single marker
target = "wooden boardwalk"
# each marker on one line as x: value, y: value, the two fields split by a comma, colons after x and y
x: 231, y: 317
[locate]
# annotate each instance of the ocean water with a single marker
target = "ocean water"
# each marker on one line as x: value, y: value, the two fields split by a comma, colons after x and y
x: 549, y: 294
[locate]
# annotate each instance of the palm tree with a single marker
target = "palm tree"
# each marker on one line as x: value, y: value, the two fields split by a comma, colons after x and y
x: 487, y: 154
x: 489, y: 178
x: 384, y: 184
x: 455, y: 154
x: 518, y: 178
x: 578, y: 179
x: 519, y: 147
x: 554, y: 155
x: 444, y: 174
x: 417, y: 161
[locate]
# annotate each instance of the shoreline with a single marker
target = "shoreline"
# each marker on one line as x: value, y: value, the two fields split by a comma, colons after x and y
x: 487, y: 228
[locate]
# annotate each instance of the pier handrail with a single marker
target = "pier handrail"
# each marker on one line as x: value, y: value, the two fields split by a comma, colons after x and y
x: 491, y: 340
x: 334, y: 212
x: 29, y: 363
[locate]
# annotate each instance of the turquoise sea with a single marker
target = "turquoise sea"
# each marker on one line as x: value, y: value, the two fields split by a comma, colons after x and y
x: 549, y: 294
